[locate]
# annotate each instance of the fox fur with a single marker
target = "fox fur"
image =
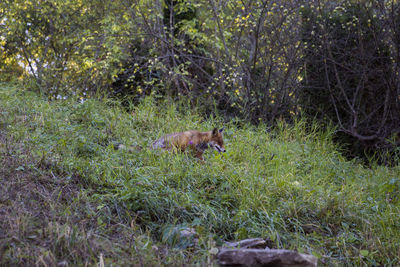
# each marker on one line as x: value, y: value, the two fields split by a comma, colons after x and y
x: 194, y: 141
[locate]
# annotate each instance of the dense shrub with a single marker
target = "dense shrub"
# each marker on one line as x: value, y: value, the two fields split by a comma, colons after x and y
x: 349, y: 76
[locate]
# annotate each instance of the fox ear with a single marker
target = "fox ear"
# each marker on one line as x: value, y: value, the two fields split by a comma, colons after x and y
x: 215, y: 132
x: 222, y: 129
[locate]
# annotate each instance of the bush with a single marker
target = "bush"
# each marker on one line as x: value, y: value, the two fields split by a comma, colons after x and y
x: 349, y: 75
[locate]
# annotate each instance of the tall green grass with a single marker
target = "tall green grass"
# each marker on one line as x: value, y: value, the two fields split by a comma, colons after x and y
x: 289, y: 184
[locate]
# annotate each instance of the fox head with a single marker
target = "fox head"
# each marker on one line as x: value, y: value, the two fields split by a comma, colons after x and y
x: 217, y: 142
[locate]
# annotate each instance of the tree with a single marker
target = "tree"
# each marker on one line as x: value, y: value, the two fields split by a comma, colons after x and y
x: 349, y: 71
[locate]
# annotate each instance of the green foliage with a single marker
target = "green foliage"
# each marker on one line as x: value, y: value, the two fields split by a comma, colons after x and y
x: 228, y: 56
x: 255, y: 60
x: 64, y: 46
x: 289, y: 184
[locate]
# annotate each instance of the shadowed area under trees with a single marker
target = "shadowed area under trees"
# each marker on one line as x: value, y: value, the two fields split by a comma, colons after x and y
x: 351, y: 76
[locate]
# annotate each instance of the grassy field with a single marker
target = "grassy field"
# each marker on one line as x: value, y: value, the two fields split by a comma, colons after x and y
x: 70, y: 198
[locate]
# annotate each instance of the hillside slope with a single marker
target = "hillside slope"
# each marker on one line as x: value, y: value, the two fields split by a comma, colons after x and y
x: 288, y: 185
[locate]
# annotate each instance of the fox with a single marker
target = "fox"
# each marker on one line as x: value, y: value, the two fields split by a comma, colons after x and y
x: 195, y: 141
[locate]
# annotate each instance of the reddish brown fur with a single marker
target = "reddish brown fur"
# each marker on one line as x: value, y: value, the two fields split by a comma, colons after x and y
x: 196, y: 141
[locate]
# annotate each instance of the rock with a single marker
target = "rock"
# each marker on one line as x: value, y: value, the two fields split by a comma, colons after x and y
x: 189, y: 236
x: 188, y: 232
x: 180, y: 236
x: 265, y: 257
x: 247, y: 243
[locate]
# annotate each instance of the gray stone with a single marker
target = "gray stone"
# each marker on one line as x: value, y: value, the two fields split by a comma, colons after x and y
x: 247, y: 243
x: 188, y: 232
x: 265, y: 258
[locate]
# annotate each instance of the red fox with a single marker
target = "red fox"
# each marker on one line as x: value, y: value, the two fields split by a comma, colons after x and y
x: 196, y: 141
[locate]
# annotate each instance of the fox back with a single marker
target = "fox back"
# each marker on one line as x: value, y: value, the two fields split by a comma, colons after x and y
x: 196, y: 141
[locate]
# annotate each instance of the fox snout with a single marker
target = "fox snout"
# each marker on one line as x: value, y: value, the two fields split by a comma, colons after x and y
x: 219, y: 148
